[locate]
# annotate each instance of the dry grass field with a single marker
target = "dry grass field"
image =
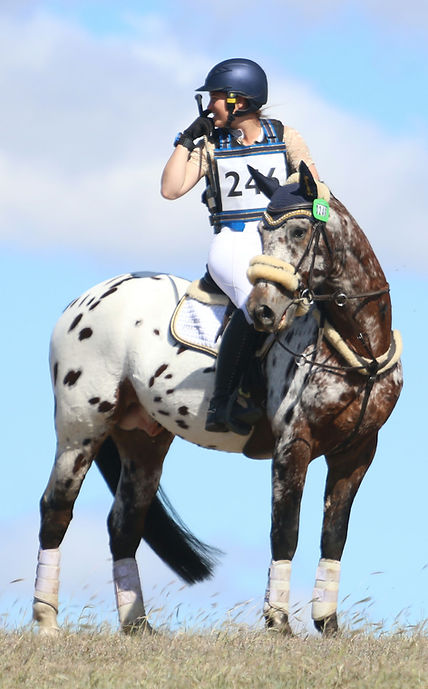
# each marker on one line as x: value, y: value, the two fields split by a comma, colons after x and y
x: 232, y: 657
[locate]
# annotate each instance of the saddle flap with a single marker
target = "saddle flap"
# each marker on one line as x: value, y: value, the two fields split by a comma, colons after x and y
x: 198, y: 325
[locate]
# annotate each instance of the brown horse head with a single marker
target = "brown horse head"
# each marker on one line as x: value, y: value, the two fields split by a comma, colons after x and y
x: 314, y: 251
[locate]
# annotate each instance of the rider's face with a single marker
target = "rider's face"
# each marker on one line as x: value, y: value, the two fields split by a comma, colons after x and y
x: 217, y: 106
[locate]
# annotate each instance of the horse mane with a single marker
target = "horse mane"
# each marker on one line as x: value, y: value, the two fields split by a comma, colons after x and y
x: 358, y: 241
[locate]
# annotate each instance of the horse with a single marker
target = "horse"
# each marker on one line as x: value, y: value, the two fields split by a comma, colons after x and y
x: 124, y: 386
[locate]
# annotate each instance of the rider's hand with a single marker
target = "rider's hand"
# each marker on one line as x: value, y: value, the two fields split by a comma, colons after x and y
x: 202, y: 126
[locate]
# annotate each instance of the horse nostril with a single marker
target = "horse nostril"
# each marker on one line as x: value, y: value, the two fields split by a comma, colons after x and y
x: 264, y: 315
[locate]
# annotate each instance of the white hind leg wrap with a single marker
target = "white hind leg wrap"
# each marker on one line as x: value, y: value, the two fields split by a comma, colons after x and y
x: 45, y: 607
x: 326, y: 591
x: 278, y: 588
x: 129, y: 597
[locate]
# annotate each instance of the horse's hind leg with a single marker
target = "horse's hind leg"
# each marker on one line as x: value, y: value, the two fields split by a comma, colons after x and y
x: 141, y: 458
x: 56, y: 508
x: 346, y: 470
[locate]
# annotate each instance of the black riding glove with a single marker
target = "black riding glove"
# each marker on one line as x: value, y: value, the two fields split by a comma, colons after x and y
x: 202, y: 126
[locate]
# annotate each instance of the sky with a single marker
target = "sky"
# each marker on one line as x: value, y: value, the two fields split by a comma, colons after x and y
x: 92, y: 96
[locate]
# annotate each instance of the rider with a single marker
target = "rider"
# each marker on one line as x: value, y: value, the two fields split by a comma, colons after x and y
x: 230, y: 134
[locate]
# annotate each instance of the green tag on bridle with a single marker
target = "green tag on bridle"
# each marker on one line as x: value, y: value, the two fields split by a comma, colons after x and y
x: 321, y: 210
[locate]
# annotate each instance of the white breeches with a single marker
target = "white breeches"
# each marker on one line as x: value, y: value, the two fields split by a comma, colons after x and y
x: 228, y: 260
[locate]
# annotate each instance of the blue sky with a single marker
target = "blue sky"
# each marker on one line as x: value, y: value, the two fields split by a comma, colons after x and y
x: 93, y: 96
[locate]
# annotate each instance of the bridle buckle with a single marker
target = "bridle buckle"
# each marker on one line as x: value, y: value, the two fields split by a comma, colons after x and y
x: 340, y: 298
x: 308, y: 295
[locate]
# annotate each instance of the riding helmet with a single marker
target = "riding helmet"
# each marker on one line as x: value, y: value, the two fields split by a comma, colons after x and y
x: 240, y: 76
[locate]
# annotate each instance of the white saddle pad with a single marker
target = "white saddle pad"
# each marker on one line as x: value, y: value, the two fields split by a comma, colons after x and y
x: 198, y: 325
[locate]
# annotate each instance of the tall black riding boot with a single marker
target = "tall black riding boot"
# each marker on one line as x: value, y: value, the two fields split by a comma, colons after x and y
x: 237, y: 348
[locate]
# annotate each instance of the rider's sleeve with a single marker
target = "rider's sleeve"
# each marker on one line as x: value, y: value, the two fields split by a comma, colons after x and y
x: 199, y: 156
x: 297, y: 149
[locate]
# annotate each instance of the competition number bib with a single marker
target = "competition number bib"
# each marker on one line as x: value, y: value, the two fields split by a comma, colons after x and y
x: 237, y: 187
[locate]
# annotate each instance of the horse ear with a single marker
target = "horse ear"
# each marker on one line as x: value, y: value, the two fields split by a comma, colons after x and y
x: 308, y: 186
x: 267, y: 185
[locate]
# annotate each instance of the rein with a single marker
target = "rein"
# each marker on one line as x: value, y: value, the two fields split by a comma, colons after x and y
x: 301, y: 359
x: 371, y: 368
x: 278, y: 271
x: 339, y: 297
x: 267, y: 267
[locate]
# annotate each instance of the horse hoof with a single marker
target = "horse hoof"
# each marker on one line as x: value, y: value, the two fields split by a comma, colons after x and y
x: 278, y: 623
x: 49, y: 631
x: 140, y: 626
x: 283, y: 630
x: 328, y: 626
x: 45, y: 615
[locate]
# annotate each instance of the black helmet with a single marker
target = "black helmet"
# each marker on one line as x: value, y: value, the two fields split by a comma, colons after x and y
x: 240, y: 76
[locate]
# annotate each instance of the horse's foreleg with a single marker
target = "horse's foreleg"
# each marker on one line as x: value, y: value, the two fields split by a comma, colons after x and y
x: 56, y: 508
x: 141, y: 459
x: 289, y: 472
x: 345, y: 473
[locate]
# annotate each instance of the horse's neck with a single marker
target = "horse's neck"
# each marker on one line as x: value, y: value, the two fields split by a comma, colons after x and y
x: 364, y: 322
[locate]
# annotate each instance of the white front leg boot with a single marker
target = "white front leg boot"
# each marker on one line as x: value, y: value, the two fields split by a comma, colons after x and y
x: 326, y: 591
x: 45, y: 604
x: 276, y: 606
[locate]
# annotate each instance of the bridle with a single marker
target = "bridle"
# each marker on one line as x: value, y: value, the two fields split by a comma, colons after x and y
x: 289, y: 277
x: 339, y: 297
x: 306, y: 293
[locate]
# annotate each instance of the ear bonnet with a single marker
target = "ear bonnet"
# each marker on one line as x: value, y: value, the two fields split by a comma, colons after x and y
x: 301, y: 197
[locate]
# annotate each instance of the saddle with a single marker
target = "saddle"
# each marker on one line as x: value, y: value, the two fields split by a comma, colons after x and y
x: 201, y: 316
x: 198, y: 322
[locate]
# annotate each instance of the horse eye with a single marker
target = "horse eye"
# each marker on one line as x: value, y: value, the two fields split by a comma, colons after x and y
x: 298, y: 233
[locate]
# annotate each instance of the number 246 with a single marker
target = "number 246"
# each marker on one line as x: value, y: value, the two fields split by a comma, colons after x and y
x: 249, y: 184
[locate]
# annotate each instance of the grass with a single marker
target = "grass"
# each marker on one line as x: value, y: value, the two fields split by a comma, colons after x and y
x: 230, y: 657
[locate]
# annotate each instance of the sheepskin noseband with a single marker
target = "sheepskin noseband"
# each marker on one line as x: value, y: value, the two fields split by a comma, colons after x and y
x: 271, y: 268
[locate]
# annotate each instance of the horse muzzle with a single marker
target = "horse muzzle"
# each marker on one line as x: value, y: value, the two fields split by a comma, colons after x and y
x: 273, y: 302
x: 263, y: 318
x: 269, y: 309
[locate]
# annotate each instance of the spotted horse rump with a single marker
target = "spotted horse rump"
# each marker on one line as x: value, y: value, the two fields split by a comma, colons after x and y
x: 124, y: 388
x: 135, y: 375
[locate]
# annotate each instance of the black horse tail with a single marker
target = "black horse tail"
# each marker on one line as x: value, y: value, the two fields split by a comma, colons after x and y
x: 164, y: 531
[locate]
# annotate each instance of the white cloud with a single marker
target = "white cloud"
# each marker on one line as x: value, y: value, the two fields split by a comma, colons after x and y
x: 87, y: 124
x: 379, y: 177
x: 412, y: 14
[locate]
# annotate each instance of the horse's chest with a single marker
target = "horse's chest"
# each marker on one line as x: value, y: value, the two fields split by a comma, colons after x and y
x: 299, y: 394
x: 287, y: 373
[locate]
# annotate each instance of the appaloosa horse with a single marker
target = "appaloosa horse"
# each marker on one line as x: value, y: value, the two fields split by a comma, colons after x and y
x: 124, y: 387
